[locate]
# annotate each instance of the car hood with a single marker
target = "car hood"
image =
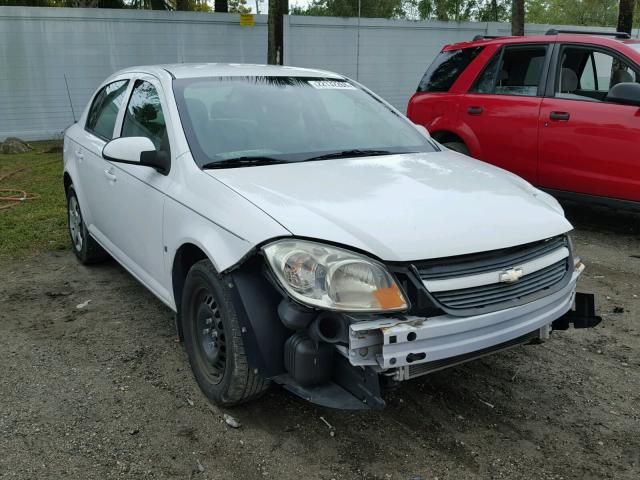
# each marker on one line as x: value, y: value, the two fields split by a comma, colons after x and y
x: 401, y: 207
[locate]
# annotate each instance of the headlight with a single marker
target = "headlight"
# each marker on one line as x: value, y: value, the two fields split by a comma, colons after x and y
x: 333, y: 278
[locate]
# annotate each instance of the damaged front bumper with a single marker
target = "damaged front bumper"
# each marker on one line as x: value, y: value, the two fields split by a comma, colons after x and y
x: 411, y: 346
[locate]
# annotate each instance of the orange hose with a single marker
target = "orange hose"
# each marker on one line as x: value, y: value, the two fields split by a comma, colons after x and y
x: 9, y: 194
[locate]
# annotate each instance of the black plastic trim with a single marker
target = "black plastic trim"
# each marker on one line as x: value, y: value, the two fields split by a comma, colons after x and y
x: 585, y: 198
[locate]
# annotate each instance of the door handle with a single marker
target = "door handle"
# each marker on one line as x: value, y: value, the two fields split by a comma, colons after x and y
x: 474, y: 110
x: 110, y: 176
x: 562, y: 116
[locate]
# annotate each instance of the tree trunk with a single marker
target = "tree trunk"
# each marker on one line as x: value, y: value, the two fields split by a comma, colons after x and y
x: 517, y: 18
x: 494, y: 10
x: 221, y: 6
x: 625, y: 15
x: 275, y: 41
x: 182, y: 5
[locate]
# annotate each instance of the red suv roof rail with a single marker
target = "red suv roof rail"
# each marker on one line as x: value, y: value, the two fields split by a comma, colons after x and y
x: 623, y: 35
x: 486, y: 37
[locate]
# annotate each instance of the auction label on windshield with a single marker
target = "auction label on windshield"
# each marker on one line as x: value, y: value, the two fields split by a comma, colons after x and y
x: 331, y: 84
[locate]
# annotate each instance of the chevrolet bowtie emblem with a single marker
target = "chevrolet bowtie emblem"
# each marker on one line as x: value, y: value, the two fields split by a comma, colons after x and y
x: 511, y: 275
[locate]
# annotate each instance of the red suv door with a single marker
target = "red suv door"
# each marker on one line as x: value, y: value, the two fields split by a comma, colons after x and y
x: 588, y: 144
x: 502, y: 107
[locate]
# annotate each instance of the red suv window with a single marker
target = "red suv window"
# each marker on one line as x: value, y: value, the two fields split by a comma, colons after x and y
x: 515, y: 70
x: 446, y: 68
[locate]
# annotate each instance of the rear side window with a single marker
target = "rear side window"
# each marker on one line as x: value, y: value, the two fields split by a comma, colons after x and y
x: 446, y: 69
x: 513, y: 71
x: 104, y: 110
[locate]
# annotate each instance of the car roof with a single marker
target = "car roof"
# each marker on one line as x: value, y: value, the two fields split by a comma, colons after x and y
x: 196, y: 70
x: 562, y: 37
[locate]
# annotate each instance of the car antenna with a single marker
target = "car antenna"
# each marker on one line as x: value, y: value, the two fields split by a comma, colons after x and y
x: 69, y: 95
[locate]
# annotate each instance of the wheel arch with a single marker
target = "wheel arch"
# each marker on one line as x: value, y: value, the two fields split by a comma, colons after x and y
x: 185, y: 257
x: 446, y: 136
x: 67, y: 181
x: 461, y: 134
x: 255, y: 299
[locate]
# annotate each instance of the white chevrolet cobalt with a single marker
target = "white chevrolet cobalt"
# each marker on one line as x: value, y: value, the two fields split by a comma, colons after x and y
x: 305, y: 232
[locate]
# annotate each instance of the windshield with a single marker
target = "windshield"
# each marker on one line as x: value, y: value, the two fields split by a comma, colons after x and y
x: 288, y: 119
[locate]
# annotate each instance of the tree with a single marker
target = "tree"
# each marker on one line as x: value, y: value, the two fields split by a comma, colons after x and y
x: 517, y: 17
x: 625, y: 15
x: 445, y: 10
x: 349, y: 8
x: 493, y: 11
x: 221, y: 6
x: 600, y: 13
x: 275, y: 40
x: 239, y: 6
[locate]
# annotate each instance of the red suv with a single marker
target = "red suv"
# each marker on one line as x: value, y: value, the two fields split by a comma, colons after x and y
x: 561, y: 110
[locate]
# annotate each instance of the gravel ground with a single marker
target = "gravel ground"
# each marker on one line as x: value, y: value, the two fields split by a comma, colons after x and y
x: 105, y: 391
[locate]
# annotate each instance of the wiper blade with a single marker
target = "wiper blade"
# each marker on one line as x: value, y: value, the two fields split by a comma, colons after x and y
x: 246, y: 161
x: 350, y: 153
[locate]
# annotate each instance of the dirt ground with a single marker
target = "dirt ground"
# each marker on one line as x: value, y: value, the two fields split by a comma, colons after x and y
x: 105, y: 391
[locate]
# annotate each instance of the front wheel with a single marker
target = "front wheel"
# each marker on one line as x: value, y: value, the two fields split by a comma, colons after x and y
x: 213, y: 340
x: 84, y: 246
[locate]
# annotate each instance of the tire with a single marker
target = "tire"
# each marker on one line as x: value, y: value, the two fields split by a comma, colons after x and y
x: 457, y: 147
x: 213, y: 340
x: 83, y: 245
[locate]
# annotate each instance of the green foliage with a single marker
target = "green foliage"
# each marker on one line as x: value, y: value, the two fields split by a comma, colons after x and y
x: 553, y: 12
x: 573, y: 12
x: 349, y: 8
x: 239, y: 6
x: 444, y: 10
x: 40, y: 223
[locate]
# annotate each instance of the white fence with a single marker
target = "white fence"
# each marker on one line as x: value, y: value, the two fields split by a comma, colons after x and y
x: 39, y: 47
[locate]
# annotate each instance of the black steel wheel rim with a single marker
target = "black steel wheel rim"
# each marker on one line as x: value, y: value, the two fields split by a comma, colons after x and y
x: 210, y: 338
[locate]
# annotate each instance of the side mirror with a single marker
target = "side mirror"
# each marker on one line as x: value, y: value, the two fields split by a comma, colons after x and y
x: 423, y: 129
x: 626, y: 93
x: 137, y: 151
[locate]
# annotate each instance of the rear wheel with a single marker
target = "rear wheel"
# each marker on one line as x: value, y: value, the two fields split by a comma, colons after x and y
x: 213, y: 340
x: 84, y: 246
x: 457, y: 147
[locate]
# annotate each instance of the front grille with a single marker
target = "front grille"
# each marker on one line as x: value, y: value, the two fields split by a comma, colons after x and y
x: 493, y: 260
x: 495, y: 293
x: 495, y: 296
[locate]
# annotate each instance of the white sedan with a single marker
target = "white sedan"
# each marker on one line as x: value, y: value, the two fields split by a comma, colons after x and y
x: 305, y: 232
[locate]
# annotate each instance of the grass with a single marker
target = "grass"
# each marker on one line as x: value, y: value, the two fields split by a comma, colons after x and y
x: 39, y: 224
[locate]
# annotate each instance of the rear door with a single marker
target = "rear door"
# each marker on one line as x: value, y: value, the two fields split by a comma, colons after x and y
x: 587, y: 144
x: 93, y: 169
x: 501, y: 109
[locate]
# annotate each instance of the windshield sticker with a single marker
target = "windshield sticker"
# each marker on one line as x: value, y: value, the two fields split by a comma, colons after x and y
x: 331, y: 84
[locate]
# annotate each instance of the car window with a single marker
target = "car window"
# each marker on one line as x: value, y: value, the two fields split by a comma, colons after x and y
x: 514, y: 71
x: 102, y: 115
x: 144, y: 116
x: 588, y: 74
x: 289, y: 118
x: 446, y: 68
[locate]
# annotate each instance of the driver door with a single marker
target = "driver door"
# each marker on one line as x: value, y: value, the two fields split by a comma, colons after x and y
x: 587, y: 144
